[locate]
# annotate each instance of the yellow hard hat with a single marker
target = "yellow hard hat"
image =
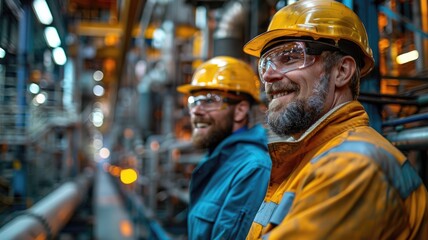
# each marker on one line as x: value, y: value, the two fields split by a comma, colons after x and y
x: 317, y: 19
x: 226, y: 74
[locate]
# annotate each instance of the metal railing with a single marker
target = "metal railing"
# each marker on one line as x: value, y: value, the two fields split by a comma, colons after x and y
x: 48, y: 216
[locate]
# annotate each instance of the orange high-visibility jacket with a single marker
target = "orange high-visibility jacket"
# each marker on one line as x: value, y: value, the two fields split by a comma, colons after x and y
x: 341, y: 180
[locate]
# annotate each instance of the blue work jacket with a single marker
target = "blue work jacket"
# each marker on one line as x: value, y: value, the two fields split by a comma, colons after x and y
x: 228, y: 186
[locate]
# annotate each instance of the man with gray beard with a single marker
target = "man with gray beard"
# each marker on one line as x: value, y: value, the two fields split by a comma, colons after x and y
x: 333, y: 176
x: 307, y: 112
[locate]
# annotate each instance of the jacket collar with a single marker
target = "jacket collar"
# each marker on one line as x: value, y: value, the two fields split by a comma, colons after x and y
x: 255, y: 135
x: 286, y: 153
x: 211, y: 162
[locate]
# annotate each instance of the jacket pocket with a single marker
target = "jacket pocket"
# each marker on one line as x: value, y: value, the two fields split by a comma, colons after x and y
x: 201, y: 220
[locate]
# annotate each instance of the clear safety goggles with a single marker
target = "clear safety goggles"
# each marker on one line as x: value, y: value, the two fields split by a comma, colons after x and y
x: 291, y: 56
x: 210, y: 102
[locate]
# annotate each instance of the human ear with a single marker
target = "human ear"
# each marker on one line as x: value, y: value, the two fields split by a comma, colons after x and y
x: 241, y: 111
x: 345, y: 70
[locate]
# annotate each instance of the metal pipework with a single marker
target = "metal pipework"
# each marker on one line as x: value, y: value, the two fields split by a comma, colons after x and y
x: 229, y: 35
x: 409, y: 119
x: 410, y: 139
x: 48, y: 216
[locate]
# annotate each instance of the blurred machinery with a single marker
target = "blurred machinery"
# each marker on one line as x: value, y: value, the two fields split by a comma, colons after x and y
x: 103, y: 95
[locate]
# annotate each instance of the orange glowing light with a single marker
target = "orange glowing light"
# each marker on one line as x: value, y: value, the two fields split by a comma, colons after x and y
x: 115, y: 171
x: 126, y: 228
x: 109, y: 65
x: 154, y: 145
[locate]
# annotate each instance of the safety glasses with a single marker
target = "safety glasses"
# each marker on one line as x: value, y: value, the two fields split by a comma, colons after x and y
x: 290, y: 56
x: 210, y: 102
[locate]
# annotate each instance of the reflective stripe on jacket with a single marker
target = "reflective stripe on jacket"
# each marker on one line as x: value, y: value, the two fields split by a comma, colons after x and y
x: 228, y: 187
x: 341, y: 180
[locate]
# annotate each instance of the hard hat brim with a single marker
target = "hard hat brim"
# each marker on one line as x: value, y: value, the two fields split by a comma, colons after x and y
x: 256, y: 45
x: 188, y: 89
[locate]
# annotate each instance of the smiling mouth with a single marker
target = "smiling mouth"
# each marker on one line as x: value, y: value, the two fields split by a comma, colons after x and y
x: 277, y: 95
x: 201, y: 125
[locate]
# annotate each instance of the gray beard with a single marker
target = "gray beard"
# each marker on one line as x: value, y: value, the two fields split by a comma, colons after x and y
x: 300, y: 115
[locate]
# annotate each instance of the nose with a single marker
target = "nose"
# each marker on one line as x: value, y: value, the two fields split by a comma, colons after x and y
x: 197, y: 110
x: 271, y: 75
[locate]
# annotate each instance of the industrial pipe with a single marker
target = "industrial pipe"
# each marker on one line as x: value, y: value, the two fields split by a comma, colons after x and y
x: 48, y: 216
x: 376, y: 98
x: 410, y: 139
x: 229, y: 35
x: 410, y: 119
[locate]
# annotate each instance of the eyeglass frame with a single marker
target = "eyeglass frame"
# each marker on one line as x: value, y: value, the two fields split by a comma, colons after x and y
x: 310, y: 48
x: 225, y: 102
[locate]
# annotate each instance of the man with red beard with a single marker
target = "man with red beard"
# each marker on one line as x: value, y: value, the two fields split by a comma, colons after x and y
x: 333, y: 176
x: 230, y: 182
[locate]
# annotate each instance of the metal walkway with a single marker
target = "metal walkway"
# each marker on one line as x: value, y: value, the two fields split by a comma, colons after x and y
x: 112, y: 219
